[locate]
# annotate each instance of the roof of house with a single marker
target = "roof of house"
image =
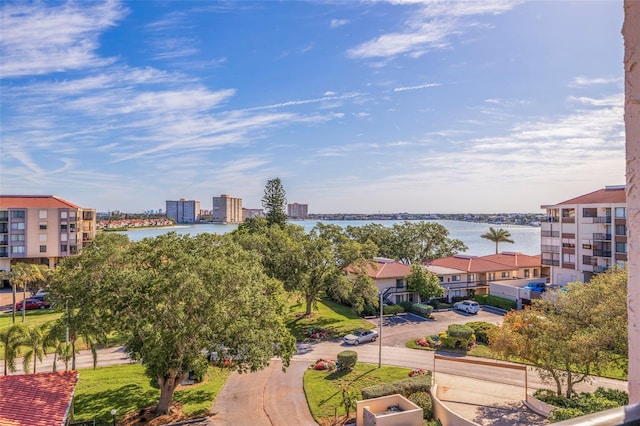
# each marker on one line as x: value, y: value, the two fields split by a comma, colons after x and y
x: 380, y: 268
x: 42, y: 399
x: 608, y: 195
x: 34, y: 201
x: 505, y: 261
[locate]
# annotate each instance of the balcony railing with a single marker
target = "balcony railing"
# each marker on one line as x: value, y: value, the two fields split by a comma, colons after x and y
x: 598, y: 236
x: 549, y: 249
x: 602, y: 219
x: 602, y: 253
x: 550, y: 233
x: 550, y: 262
x: 569, y: 219
x: 600, y: 268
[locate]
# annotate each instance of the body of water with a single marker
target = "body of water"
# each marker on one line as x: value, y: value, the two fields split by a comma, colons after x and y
x: 526, y: 238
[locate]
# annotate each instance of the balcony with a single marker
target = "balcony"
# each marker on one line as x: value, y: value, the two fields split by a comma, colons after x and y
x: 601, y: 253
x: 549, y: 249
x: 550, y: 262
x: 600, y: 268
x: 567, y: 219
x: 598, y: 236
x: 602, y: 219
x: 550, y: 233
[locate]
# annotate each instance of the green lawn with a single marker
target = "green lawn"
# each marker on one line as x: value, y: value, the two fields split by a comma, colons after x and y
x: 323, y: 388
x: 32, y: 317
x: 125, y: 388
x: 329, y: 316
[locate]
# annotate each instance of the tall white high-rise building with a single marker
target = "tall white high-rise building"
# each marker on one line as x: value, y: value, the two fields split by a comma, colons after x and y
x: 184, y: 211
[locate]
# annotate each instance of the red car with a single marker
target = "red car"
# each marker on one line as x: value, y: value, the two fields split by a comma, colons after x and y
x: 31, y: 304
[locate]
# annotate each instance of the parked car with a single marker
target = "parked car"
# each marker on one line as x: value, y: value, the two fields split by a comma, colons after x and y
x: 360, y: 337
x: 31, y: 304
x: 468, y: 306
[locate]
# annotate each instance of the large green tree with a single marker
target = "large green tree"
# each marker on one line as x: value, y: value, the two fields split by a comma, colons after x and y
x: 425, y: 283
x: 175, y: 297
x: 498, y: 236
x: 570, y: 335
x: 274, y: 202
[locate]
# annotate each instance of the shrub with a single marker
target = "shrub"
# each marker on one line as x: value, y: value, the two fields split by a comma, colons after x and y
x: 406, y: 387
x: 406, y: 306
x: 460, y: 330
x: 620, y: 397
x: 370, y: 311
x: 347, y: 360
x: 417, y: 372
x: 582, y: 403
x: 422, y: 341
x: 392, y: 309
x: 457, y: 336
x: 497, y: 302
x: 480, y: 329
x: 423, y: 400
x: 560, y: 414
x: 324, y: 364
x: 422, y: 310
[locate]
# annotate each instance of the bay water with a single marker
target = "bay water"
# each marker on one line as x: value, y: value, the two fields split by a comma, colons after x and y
x: 526, y: 238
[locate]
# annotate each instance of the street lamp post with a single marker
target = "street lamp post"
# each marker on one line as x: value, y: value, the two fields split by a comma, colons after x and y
x: 113, y: 415
x: 380, y: 335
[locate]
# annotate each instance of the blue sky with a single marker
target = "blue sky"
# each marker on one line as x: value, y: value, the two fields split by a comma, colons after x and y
x: 357, y: 106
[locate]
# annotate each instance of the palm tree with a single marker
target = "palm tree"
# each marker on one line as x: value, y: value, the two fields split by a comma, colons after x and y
x: 498, y: 236
x: 21, y: 275
x: 12, y: 338
x: 35, y: 342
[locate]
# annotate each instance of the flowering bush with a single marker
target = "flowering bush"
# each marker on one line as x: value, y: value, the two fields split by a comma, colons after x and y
x: 315, y: 334
x: 417, y: 372
x: 422, y: 341
x: 324, y: 364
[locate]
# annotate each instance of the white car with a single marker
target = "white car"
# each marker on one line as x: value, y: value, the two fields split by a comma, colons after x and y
x: 468, y: 306
x: 360, y: 337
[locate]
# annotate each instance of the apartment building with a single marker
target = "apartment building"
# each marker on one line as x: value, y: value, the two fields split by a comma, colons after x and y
x: 461, y: 274
x: 42, y: 229
x: 227, y: 209
x: 585, y: 235
x: 251, y: 213
x: 183, y: 210
x: 298, y: 211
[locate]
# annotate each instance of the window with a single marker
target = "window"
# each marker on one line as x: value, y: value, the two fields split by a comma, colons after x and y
x: 43, y: 214
x: 568, y: 258
x: 43, y: 249
x: 568, y: 213
x: 470, y: 278
x: 43, y: 225
x: 621, y: 247
x: 63, y: 227
x: 63, y: 237
x: 441, y: 279
x: 526, y: 273
x: 63, y: 248
x: 505, y: 275
x: 535, y: 273
x: 63, y: 215
x: 621, y: 212
x: 17, y: 226
x: 43, y: 238
x: 589, y: 212
x: 455, y: 278
x: 17, y: 249
x: 17, y: 214
x: 491, y: 276
x: 17, y: 237
x: 621, y: 230
x: 72, y: 227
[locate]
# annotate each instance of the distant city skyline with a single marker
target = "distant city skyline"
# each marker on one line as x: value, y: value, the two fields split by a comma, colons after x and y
x: 358, y: 107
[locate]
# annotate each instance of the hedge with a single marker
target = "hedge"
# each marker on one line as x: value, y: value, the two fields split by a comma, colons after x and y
x: 392, y: 309
x: 480, y: 329
x: 422, y: 310
x: 405, y: 387
x: 423, y: 400
x: 497, y: 302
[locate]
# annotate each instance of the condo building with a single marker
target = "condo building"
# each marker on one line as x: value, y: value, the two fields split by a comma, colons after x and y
x: 42, y: 229
x: 251, y: 213
x: 183, y: 210
x: 585, y: 235
x: 227, y: 209
x: 298, y: 211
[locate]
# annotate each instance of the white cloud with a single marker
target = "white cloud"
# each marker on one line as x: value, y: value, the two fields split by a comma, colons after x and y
x: 586, y: 82
x: 335, y: 23
x: 430, y: 27
x: 422, y: 86
x: 38, y: 40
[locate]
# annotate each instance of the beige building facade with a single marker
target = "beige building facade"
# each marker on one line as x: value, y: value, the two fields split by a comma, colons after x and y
x: 298, y: 211
x: 42, y: 229
x: 227, y: 209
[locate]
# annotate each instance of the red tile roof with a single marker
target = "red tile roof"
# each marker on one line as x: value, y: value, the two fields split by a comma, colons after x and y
x: 34, y: 201
x: 385, y: 269
x: 42, y: 399
x: 608, y: 195
x: 505, y: 261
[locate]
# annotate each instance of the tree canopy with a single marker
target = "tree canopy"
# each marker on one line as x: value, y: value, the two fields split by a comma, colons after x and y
x: 570, y: 335
x: 274, y: 202
x: 498, y: 236
x: 425, y: 283
x: 197, y: 294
